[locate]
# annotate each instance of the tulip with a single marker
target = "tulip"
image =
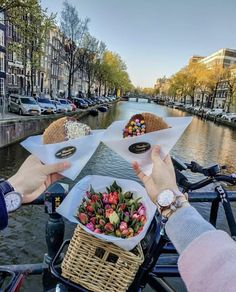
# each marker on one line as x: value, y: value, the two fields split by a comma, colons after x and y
x: 100, y: 211
x: 114, y: 218
x: 125, y: 232
x: 141, y: 210
x: 105, y: 198
x: 123, y: 226
x: 93, y: 220
x: 140, y: 230
x: 90, y: 226
x: 143, y: 219
x: 107, y: 206
x: 122, y: 207
x: 118, y: 233
x: 113, y: 198
x: 90, y: 208
x: 109, y: 227
x: 83, y: 218
x: 109, y: 212
x: 102, y: 222
x: 97, y: 230
x: 95, y: 198
x: 131, y: 232
x: 135, y: 216
x: 88, y: 194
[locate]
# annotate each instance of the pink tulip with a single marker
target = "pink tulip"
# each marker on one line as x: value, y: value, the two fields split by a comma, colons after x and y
x: 105, y: 198
x: 90, y: 226
x: 97, y: 231
x: 123, y: 226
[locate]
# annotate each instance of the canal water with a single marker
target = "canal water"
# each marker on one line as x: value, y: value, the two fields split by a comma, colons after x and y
x: 24, y: 239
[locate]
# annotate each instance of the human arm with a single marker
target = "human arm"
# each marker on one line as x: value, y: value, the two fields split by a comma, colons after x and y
x: 30, y: 180
x: 33, y: 177
x: 200, y: 245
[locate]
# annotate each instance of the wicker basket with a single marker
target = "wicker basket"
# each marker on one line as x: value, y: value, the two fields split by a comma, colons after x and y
x: 98, y: 265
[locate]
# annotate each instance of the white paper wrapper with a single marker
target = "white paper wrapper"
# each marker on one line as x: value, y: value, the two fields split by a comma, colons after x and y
x: 70, y: 205
x: 85, y: 147
x: 113, y: 138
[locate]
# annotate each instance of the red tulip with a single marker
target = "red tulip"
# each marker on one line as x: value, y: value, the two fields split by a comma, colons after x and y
x: 83, y: 218
x: 109, y: 227
x: 90, y: 208
x: 109, y: 212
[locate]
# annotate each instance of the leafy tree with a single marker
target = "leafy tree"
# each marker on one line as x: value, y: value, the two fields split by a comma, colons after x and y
x: 230, y: 74
x: 31, y: 24
x: 74, y: 30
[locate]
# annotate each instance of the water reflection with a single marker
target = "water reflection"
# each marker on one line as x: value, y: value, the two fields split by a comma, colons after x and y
x: 203, y: 141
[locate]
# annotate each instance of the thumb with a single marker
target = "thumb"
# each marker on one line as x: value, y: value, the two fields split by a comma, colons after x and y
x: 156, y: 154
x: 56, y: 167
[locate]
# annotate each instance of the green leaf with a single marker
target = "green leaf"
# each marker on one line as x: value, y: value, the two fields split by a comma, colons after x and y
x: 92, y: 190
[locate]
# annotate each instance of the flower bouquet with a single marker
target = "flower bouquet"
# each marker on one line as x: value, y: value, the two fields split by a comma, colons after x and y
x: 112, y: 212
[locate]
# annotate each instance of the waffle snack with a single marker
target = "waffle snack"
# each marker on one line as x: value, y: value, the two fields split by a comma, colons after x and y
x: 144, y: 123
x: 64, y: 129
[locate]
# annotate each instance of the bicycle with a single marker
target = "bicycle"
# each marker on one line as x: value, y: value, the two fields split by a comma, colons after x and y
x: 155, y: 267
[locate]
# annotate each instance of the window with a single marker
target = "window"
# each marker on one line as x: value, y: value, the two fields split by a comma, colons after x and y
x: 2, y: 87
x: 2, y: 62
x: 2, y: 17
x: 2, y: 42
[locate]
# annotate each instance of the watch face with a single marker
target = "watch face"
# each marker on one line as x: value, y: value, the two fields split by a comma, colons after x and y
x: 13, y: 201
x: 166, y: 198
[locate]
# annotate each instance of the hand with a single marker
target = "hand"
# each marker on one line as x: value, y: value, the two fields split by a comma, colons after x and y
x: 33, y: 177
x: 162, y: 176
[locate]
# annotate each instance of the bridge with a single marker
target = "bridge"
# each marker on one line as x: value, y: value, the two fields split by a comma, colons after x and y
x: 137, y: 97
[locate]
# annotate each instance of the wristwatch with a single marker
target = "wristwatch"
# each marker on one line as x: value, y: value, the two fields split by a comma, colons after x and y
x: 13, y: 199
x: 168, y: 201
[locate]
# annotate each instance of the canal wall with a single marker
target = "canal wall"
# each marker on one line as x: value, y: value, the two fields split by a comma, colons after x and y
x: 16, y: 129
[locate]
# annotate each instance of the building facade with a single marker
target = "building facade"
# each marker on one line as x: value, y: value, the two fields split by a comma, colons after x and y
x: 2, y: 56
x: 16, y: 73
x: 223, y: 57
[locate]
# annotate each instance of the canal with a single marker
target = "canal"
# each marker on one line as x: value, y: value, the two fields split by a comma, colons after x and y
x: 24, y: 240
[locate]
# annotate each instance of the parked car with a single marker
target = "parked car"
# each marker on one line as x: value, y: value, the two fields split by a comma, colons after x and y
x: 59, y: 107
x: 228, y: 117
x: 80, y: 103
x: 47, y: 107
x: 65, y: 103
x: 23, y: 105
x: 215, y: 112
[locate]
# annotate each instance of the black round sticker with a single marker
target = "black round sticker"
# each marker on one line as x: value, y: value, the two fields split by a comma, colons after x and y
x: 139, y: 147
x: 65, y: 152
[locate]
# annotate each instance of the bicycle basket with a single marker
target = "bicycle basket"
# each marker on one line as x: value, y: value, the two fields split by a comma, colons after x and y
x: 98, y: 265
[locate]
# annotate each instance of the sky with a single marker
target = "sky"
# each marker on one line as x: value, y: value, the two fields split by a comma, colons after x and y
x: 156, y: 38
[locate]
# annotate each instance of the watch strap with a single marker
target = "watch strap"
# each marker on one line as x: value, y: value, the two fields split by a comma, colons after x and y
x: 3, y: 211
x: 6, y: 187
